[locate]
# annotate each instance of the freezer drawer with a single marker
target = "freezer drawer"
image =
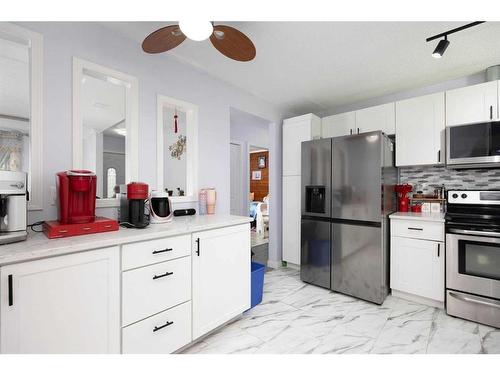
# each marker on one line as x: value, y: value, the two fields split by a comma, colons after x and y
x: 359, y: 261
x: 315, y: 252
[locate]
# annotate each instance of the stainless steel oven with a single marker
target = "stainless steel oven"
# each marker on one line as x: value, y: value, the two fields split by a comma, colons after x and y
x: 473, y: 256
x: 473, y: 145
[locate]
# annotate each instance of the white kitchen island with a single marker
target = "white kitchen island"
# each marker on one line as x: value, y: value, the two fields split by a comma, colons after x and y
x: 152, y: 290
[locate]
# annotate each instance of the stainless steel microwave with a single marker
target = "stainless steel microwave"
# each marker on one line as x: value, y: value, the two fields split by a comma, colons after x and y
x: 473, y: 145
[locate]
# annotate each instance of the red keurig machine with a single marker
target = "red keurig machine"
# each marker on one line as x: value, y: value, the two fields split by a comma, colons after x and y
x: 76, y: 191
x: 403, y: 197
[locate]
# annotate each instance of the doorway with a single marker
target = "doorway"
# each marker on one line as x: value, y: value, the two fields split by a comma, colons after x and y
x: 251, y: 178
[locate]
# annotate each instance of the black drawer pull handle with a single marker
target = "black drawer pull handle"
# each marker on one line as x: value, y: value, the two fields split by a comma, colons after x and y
x: 163, y: 326
x: 11, y: 294
x: 198, y: 246
x: 163, y: 275
x: 411, y: 228
x: 162, y: 251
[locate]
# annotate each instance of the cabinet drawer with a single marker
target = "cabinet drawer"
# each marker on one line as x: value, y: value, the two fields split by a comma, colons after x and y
x: 425, y: 230
x: 149, y: 252
x: 160, y: 334
x: 149, y: 290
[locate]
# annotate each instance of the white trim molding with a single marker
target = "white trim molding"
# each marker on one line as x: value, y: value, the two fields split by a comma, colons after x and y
x: 131, y: 85
x: 191, y: 111
x: 34, y: 41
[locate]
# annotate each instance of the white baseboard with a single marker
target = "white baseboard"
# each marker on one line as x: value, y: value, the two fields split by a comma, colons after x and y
x: 417, y: 299
x: 273, y: 263
x: 293, y: 266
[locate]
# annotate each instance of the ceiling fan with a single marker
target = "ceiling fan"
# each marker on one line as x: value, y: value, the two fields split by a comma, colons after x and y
x: 226, y: 39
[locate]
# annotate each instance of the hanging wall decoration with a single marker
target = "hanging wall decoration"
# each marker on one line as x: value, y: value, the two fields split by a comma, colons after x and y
x: 178, y: 148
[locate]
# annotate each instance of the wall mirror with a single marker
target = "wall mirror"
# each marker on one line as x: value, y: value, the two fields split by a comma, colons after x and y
x: 105, y: 122
x: 177, y: 148
x: 21, y: 58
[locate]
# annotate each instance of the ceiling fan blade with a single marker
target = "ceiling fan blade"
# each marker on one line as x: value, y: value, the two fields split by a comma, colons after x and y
x: 232, y: 43
x: 163, y: 39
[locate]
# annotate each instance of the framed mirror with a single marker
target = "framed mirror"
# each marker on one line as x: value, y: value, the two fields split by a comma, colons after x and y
x: 21, y: 68
x: 105, y: 127
x: 177, y: 148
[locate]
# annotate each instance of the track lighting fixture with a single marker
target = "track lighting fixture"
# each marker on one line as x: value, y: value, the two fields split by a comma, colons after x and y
x: 440, y: 48
x: 444, y: 43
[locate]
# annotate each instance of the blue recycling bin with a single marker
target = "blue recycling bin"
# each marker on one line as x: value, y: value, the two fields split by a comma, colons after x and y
x: 257, y: 283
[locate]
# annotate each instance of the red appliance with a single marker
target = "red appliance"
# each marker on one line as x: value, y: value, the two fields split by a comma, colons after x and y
x: 54, y: 229
x: 403, y: 197
x: 77, y: 194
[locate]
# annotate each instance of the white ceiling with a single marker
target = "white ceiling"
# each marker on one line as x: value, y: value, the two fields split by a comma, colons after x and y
x: 315, y: 66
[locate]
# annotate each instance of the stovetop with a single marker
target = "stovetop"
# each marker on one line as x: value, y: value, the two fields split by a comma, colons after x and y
x: 473, y: 210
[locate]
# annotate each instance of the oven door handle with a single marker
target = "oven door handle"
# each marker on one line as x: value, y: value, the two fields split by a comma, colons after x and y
x: 474, y: 232
x: 467, y: 299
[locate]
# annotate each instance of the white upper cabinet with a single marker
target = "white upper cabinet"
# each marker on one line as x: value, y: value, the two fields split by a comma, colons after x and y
x: 295, y: 131
x: 381, y: 117
x: 472, y: 104
x: 338, y: 125
x: 420, y: 124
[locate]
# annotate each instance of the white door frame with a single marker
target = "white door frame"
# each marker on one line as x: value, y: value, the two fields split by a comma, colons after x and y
x: 241, y: 192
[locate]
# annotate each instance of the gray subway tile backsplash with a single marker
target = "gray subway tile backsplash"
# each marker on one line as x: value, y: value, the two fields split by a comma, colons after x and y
x: 430, y: 177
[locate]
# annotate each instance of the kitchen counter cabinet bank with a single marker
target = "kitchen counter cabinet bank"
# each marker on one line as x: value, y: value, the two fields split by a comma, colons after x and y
x: 38, y: 246
x: 133, y: 291
x: 417, y: 257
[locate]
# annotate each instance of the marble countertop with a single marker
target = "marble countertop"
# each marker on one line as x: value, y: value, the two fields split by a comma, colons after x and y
x: 39, y: 246
x: 424, y: 216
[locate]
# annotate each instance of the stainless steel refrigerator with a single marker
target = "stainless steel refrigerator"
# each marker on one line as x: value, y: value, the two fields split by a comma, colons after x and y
x: 347, y: 195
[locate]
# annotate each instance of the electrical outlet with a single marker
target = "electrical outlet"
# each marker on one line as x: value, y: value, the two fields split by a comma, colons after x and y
x: 53, y: 195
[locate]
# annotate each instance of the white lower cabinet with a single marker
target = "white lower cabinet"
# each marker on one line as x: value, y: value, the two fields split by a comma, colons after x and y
x: 170, y: 294
x: 65, y: 304
x: 163, y: 333
x: 221, y: 276
x: 149, y: 290
x: 417, y: 266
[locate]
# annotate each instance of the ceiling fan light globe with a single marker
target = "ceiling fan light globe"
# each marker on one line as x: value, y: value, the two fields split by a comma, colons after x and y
x: 196, y: 30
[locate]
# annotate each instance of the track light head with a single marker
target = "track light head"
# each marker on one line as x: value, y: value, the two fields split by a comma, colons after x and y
x: 440, y: 48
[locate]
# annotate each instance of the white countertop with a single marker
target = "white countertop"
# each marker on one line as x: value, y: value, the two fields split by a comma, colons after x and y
x: 39, y: 246
x: 423, y: 216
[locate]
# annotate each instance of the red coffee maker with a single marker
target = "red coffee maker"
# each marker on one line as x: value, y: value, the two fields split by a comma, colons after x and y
x: 76, y: 192
x: 403, y: 196
x: 77, y: 195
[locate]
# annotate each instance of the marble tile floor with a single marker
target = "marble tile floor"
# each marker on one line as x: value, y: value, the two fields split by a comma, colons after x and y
x: 297, y: 318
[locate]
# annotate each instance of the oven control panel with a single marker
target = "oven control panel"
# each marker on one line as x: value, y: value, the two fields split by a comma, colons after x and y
x: 487, y: 197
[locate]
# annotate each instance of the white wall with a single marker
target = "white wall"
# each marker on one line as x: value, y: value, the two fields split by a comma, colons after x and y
x: 157, y: 74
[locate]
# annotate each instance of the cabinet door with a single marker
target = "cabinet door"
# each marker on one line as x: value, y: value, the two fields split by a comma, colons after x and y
x: 472, y: 104
x: 221, y: 276
x: 338, y: 125
x: 65, y: 304
x: 420, y: 130
x: 291, y: 219
x: 294, y: 133
x: 381, y: 117
x: 417, y: 267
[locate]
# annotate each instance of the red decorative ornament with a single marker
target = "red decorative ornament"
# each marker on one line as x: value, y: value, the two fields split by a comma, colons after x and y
x: 175, y: 121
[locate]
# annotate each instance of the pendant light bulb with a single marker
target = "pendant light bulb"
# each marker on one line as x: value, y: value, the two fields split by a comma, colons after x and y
x: 196, y: 30
x: 440, y: 48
